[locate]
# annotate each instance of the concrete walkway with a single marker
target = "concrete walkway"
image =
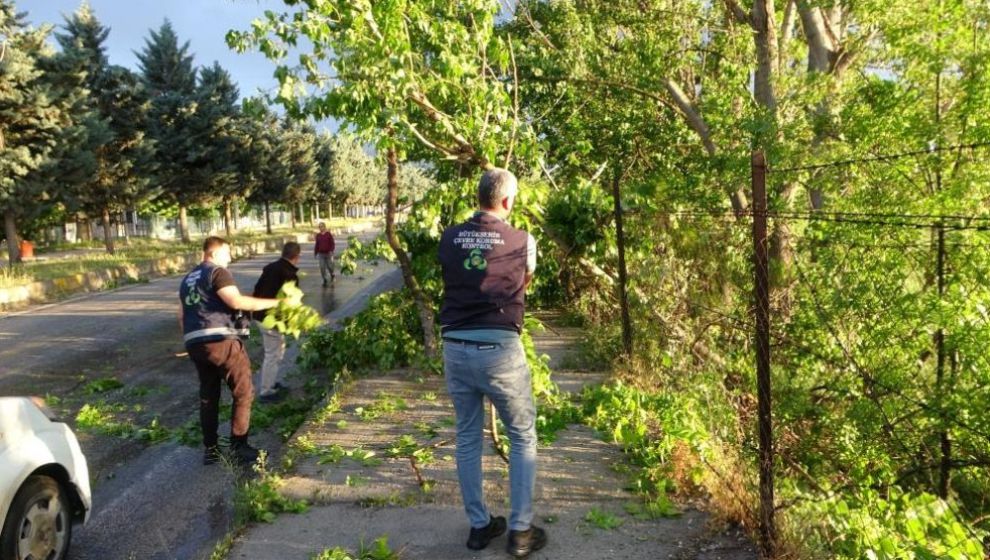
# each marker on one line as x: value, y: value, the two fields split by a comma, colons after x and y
x: 361, y: 497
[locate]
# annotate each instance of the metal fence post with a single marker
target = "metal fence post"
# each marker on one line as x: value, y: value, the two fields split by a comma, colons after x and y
x: 768, y: 530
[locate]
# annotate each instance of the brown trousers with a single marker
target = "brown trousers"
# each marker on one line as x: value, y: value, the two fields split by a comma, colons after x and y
x: 224, y: 360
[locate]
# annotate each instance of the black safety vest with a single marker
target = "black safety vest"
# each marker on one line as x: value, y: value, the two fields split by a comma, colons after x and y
x: 484, y: 274
x: 205, y: 317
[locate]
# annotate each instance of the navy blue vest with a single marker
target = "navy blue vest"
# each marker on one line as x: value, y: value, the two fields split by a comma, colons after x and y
x: 484, y: 275
x: 205, y: 317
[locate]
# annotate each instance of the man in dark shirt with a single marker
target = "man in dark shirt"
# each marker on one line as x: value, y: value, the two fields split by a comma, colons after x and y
x: 273, y: 277
x: 323, y: 251
x: 487, y: 265
x: 209, y: 303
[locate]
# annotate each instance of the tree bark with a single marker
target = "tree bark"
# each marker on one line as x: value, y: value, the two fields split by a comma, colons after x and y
x: 423, y: 306
x: 329, y: 210
x: 183, y: 224
x: 627, y: 340
x: 236, y: 214
x: 227, y: 218
x: 107, y: 233
x: 292, y: 217
x: 766, y: 56
x: 268, y: 218
x: 10, y: 232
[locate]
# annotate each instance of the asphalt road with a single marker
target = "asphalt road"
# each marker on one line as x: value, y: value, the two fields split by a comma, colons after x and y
x: 150, y: 501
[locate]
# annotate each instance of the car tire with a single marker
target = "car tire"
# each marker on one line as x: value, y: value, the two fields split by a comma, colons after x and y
x: 39, y: 522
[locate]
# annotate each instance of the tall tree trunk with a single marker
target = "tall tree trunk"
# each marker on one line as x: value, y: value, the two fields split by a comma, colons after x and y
x: 268, y: 218
x: 292, y: 217
x: 422, y: 305
x: 236, y: 214
x: 183, y: 224
x: 123, y: 221
x: 107, y: 233
x: 10, y: 232
x: 627, y: 340
x: 316, y: 212
x: 766, y: 57
x: 227, y: 218
x: 329, y: 210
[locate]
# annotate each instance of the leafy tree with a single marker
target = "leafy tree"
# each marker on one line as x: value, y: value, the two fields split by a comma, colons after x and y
x: 31, y: 117
x: 297, y: 144
x: 115, y: 119
x: 170, y: 78
x: 222, y: 139
x: 416, y: 75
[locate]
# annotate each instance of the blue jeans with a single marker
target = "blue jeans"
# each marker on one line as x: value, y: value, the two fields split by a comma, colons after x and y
x: 498, y: 371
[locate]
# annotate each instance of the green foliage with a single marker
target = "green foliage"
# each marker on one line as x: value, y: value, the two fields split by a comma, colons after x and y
x: 258, y: 499
x: 102, y: 418
x: 285, y: 416
x: 383, y: 405
x: 291, y: 317
x: 102, y: 385
x: 407, y: 446
x: 649, y: 427
x: 867, y: 525
x: 380, y: 337
x: 602, y: 519
x: 379, y: 550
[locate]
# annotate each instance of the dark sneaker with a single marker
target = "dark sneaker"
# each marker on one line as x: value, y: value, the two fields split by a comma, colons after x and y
x: 212, y: 455
x: 521, y: 543
x: 279, y: 386
x: 324, y: 282
x: 243, y: 453
x: 479, y: 538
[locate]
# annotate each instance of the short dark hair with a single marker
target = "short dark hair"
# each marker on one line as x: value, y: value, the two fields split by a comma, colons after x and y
x: 291, y: 250
x: 213, y: 243
x: 495, y: 185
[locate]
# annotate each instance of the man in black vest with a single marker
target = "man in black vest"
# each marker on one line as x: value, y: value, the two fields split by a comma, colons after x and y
x: 209, y: 303
x: 487, y: 265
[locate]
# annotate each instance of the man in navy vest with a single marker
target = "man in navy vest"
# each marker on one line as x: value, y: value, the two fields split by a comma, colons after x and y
x: 210, y: 301
x: 487, y: 265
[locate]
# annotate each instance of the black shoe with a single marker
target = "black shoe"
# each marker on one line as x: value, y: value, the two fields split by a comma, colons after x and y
x: 243, y: 453
x: 479, y: 538
x: 279, y: 386
x: 521, y: 543
x: 324, y: 283
x: 212, y: 455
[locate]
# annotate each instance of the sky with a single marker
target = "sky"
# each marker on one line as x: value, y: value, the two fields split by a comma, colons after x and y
x: 203, y: 23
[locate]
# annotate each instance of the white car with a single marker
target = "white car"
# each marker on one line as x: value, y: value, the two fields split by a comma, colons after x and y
x: 44, y: 482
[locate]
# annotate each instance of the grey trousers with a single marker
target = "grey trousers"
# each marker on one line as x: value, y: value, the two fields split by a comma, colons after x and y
x: 326, y: 265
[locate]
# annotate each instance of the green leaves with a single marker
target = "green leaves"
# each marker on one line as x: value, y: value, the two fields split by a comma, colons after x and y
x: 291, y: 317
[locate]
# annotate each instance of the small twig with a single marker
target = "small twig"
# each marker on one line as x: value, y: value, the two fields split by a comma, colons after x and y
x: 515, y: 104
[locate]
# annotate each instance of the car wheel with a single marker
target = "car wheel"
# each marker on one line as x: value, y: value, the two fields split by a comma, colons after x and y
x: 39, y: 522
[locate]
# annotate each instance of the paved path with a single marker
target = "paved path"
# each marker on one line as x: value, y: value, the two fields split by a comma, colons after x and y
x: 150, y: 501
x: 356, y: 502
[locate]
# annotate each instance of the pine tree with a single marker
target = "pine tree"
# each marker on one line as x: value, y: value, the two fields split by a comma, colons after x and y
x: 272, y: 176
x: 168, y: 74
x: 167, y: 67
x: 113, y: 116
x: 30, y: 120
x: 222, y: 138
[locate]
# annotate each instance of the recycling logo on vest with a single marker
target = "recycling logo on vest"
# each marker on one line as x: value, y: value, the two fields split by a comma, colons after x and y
x: 475, y: 260
x: 477, y: 241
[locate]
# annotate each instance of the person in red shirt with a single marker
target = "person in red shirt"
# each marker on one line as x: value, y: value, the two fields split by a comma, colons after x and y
x: 324, y: 252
